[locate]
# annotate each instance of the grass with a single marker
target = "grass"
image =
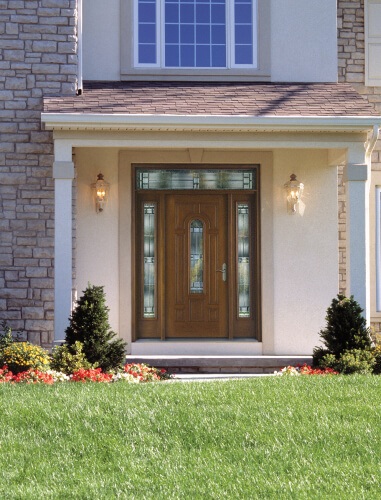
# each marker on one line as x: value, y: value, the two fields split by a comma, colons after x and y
x: 283, y: 437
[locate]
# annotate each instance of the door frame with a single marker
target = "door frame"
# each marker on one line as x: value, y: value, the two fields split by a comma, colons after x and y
x: 233, y: 197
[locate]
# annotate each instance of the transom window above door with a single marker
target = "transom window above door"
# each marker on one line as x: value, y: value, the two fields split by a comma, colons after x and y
x: 215, y: 34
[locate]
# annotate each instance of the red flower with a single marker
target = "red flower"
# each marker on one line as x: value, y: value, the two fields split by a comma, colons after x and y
x: 308, y: 370
x: 91, y: 375
x: 33, y: 377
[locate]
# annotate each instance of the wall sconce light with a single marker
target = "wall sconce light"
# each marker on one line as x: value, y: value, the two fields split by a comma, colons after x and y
x: 294, y: 190
x: 101, y: 190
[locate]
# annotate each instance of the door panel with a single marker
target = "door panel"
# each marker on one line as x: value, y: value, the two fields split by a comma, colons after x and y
x: 182, y: 241
x: 202, y: 313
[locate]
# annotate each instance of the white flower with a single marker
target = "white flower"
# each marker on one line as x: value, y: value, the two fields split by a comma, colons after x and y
x: 125, y: 377
x: 288, y: 370
x: 58, y: 376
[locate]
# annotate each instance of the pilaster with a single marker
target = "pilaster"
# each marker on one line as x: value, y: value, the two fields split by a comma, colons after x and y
x: 356, y: 177
x: 63, y: 174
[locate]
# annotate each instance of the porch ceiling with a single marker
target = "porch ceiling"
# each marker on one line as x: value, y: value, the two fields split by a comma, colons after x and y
x: 183, y: 106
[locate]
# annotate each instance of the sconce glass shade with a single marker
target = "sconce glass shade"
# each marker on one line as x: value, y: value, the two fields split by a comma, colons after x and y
x: 101, y: 189
x: 294, y: 190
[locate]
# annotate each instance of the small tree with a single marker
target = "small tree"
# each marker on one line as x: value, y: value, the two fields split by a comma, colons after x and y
x: 346, y: 330
x: 89, y: 325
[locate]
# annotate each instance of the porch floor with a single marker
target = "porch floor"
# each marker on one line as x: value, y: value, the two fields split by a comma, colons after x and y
x: 220, y: 364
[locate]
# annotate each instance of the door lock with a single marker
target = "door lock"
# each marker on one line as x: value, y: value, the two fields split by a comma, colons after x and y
x: 224, y: 271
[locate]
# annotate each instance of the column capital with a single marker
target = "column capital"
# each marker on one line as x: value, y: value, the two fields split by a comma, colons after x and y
x: 63, y: 170
x: 356, y: 172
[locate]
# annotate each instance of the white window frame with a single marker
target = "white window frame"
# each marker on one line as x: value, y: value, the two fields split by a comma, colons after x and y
x: 230, y: 38
x: 136, y: 40
x: 260, y: 69
x: 372, y: 41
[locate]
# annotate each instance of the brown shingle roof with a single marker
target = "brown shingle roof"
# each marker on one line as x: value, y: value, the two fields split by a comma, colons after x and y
x: 200, y: 98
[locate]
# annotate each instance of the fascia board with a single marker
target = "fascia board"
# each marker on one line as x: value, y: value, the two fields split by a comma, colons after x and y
x: 91, y: 121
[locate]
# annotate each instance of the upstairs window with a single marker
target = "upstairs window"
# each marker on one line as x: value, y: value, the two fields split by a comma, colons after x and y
x: 373, y: 43
x: 214, y: 34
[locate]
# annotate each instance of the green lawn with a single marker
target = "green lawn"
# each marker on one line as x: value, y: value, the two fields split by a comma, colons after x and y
x: 278, y: 437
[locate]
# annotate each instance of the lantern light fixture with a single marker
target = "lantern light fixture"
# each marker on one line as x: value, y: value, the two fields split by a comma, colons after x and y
x: 101, y: 190
x: 294, y: 191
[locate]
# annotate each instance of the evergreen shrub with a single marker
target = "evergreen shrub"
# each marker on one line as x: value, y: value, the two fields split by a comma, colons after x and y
x: 347, y: 344
x: 89, y: 325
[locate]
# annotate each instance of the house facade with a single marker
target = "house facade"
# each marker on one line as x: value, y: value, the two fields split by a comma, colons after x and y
x: 196, y: 114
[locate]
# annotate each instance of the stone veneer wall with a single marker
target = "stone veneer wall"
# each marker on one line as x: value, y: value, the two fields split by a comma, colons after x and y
x: 38, y: 47
x: 38, y: 56
x: 351, y: 55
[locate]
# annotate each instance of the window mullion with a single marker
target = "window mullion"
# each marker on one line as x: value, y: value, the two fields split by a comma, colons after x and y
x: 210, y: 34
x: 255, y: 33
x: 230, y: 38
x: 136, y: 32
x: 194, y: 36
x: 160, y: 32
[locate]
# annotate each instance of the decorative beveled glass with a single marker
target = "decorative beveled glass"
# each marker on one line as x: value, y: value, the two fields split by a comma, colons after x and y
x: 243, y: 264
x: 201, y: 179
x: 149, y: 267
x: 196, y: 270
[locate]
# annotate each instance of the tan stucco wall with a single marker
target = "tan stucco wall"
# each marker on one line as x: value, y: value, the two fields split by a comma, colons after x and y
x: 305, y: 251
x: 299, y: 274
x: 301, y: 49
x: 101, y: 39
x: 97, y: 250
x: 303, y: 41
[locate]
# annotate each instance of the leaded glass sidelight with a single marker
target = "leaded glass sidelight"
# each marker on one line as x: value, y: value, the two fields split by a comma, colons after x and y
x: 243, y: 252
x: 196, y: 257
x: 149, y: 267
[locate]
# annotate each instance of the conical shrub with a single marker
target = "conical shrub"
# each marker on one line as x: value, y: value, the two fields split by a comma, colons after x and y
x: 89, y: 324
x: 346, y: 329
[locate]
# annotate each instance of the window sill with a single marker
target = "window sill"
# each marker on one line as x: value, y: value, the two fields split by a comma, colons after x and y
x: 195, y: 75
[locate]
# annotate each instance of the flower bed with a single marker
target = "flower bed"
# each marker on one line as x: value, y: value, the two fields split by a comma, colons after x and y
x: 305, y: 370
x: 133, y: 373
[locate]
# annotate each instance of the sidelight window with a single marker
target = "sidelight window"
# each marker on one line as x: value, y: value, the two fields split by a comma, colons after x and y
x: 149, y: 266
x: 243, y: 253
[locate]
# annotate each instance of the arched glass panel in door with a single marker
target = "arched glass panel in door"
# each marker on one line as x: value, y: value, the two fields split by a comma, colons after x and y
x: 196, y: 264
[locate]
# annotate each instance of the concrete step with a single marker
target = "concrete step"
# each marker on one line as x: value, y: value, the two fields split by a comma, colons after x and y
x: 212, y: 377
x: 221, y: 364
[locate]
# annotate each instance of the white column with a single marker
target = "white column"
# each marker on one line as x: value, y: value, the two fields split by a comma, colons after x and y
x: 63, y: 174
x: 357, y: 178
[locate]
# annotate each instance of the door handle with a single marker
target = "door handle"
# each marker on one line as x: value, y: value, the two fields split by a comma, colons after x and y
x: 224, y: 271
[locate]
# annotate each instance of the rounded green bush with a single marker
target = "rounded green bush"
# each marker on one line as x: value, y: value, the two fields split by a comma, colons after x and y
x: 22, y: 356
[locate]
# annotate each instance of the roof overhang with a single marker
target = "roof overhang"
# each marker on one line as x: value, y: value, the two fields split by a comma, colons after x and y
x: 209, y: 123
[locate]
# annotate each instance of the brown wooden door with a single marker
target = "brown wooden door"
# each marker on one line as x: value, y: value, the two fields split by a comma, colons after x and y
x: 196, y: 291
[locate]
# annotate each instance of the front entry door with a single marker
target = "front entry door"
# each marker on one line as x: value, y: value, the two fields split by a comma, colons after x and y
x: 196, y: 267
x: 196, y: 286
